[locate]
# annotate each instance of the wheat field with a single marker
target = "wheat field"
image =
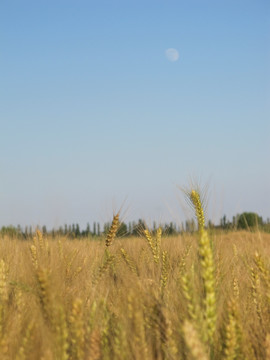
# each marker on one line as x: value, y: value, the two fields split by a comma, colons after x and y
x: 200, y: 296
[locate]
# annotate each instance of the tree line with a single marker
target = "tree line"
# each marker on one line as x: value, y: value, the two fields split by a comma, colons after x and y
x: 246, y: 220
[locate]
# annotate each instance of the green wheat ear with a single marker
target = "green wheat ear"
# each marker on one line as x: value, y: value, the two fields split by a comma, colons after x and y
x: 207, y: 267
x: 196, y: 201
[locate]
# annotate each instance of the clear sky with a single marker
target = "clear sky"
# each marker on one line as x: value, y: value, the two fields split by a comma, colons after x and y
x: 93, y: 113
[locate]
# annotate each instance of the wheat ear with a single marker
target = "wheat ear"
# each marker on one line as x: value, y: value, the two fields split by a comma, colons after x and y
x: 207, y: 267
x: 113, y: 230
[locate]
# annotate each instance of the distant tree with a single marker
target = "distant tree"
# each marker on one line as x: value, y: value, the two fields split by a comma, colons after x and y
x: 77, y: 230
x: 61, y: 231
x: 98, y: 229
x: 190, y: 225
x: 106, y: 227
x: 73, y: 228
x: 249, y: 220
x: 88, y: 230
x: 223, y: 222
x: 10, y: 231
x: 210, y: 224
x: 138, y: 228
x: 133, y: 227
x: 170, y: 229
x: 141, y: 224
x: 95, y: 228
x: 19, y: 229
x: 130, y: 228
x: 44, y: 229
x: 123, y: 230
x: 182, y: 227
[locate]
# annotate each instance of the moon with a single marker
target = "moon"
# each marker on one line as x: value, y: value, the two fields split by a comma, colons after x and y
x: 172, y: 54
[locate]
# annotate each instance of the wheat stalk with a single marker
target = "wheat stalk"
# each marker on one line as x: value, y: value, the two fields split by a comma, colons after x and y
x: 113, y: 230
x: 154, y: 243
x: 130, y: 262
x: 164, y: 271
x: 207, y: 267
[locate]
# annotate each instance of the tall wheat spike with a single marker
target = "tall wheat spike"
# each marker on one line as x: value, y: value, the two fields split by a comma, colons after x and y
x: 44, y: 293
x: 207, y: 267
x: 158, y: 243
x: 34, y: 257
x: 188, y: 294
x: 164, y: 271
x: 113, y: 230
x: 255, y: 291
x: 265, y: 274
x: 150, y: 241
x: 40, y: 239
x: 154, y: 243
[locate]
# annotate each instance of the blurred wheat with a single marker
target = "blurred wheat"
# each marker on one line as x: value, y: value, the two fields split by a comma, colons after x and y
x: 153, y: 297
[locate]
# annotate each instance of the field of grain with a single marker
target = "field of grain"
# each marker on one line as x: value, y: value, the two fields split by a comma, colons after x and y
x: 200, y: 296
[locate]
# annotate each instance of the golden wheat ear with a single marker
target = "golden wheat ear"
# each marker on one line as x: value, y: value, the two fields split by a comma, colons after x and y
x: 154, y: 243
x: 113, y: 230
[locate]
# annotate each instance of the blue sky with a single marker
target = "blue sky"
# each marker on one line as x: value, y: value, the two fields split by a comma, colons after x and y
x: 93, y: 113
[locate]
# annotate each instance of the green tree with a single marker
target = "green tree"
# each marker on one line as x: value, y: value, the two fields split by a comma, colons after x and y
x: 10, y: 231
x: 77, y: 230
x: 123, y: 230
x: 249, y: 220
x: 88, y: 230
x: 106, y: 227
x: 60, y: 231
x: 170, y: 229
x: 138, y: 228
x: 129, y: 228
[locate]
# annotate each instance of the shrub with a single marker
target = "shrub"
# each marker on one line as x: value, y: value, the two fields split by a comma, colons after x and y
x: 249, y: 220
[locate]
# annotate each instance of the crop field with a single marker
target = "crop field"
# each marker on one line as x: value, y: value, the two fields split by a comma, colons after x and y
x: 200, y: 296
